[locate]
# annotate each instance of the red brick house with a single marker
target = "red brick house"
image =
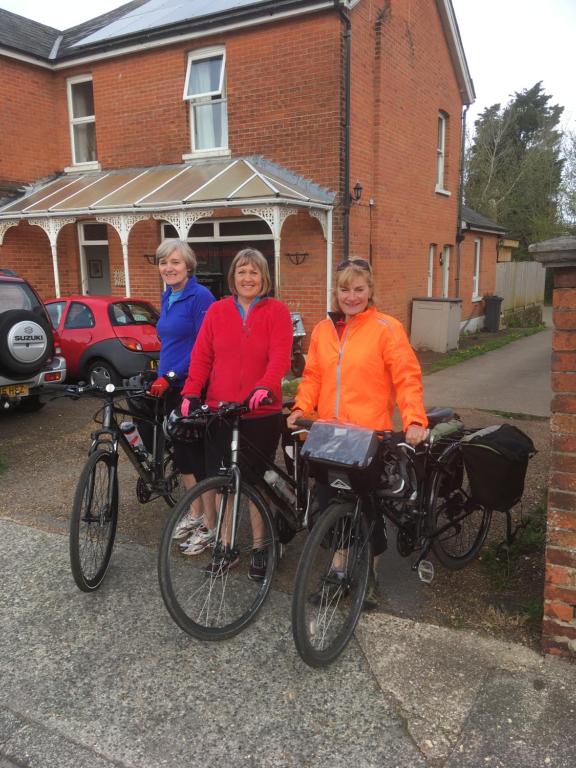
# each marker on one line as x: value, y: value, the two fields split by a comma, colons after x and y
x: 253, y: 122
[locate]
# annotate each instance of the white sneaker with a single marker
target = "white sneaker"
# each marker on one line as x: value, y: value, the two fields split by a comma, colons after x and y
x: 187, y: 525
x: 200, y: 540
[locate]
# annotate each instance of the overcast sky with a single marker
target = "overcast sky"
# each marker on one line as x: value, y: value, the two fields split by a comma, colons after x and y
x: 509, y: 44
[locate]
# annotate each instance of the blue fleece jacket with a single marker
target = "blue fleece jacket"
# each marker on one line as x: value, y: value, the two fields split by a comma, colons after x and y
x: 178, y: 327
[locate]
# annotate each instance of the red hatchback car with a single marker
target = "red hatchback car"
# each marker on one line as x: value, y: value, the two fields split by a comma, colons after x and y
x: 113, y: 337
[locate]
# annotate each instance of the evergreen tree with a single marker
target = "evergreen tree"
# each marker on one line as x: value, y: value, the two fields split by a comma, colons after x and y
x: 514, y: 167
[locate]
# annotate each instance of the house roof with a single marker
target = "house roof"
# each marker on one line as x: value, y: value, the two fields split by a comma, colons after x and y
x: 476, y: 221
x: 158, y: 22
x: 202, y: 184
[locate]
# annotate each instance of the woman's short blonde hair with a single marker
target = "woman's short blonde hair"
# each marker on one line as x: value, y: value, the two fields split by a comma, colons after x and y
x: 172, y: 244
x: 348, y: 271
x: 257, y: 259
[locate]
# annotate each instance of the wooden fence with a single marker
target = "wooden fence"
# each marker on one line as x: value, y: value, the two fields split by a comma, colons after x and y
x: 520, y: 283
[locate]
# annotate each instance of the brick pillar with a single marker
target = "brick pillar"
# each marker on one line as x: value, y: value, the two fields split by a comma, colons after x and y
x: 559, y: 622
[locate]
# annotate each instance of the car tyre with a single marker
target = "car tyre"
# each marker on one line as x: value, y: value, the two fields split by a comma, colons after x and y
x: 30, y: 404
x: 105, y: 370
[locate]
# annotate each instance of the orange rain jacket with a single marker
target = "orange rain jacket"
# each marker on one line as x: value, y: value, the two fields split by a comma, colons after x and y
x: 358, y: 378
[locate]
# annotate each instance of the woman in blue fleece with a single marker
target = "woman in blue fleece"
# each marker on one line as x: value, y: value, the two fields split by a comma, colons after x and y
x: 184, y: 304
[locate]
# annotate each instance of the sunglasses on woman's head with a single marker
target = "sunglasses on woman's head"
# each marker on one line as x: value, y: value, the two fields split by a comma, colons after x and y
x: 361, y: 263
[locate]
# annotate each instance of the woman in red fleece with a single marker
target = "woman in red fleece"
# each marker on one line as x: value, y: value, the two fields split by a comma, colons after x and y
x: 242, y: 352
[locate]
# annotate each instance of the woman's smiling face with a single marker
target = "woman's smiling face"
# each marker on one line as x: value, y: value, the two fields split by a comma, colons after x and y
x: 353, y: 296
x: 247, y: 281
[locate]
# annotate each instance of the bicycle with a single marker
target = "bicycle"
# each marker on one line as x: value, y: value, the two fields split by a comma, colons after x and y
x: 95, y: 508
x: 206, y: 597
x: 423, y: 491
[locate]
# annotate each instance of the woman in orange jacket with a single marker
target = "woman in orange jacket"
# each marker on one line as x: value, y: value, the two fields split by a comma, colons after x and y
x: 359, y: 365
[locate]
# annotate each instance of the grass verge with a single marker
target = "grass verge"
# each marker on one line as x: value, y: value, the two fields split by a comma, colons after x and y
x: 475, y: 346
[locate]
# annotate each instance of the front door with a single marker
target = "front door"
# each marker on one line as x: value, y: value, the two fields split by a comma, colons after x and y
x: 97, y: 269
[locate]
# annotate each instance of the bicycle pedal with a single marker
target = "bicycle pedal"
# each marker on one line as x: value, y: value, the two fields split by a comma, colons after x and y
x: 426, y: 571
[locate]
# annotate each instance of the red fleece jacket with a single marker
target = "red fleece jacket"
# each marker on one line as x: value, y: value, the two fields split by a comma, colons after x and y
x: 236, y: 355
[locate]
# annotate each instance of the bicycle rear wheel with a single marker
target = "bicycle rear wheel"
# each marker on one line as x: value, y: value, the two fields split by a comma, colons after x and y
x: 93, y: 521
x: 327, y: 601
x: 451, y: 505
x: 215, y: 594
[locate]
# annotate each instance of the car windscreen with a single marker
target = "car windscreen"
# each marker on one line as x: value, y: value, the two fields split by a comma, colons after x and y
x: 18, y: 296
x: 132, y: 313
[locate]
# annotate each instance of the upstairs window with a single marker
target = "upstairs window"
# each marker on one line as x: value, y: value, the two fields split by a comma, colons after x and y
x: 441, y: 153
x: 82, y: 120
x: 205, y: 91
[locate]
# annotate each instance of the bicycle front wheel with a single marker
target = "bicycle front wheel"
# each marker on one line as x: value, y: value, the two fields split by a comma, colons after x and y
x: 214, y: 591
x: 93, y: 521
x: 331, y: 583
x: 463, y: 524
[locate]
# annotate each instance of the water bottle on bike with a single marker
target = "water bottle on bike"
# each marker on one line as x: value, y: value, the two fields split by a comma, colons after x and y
x: 134, y: 438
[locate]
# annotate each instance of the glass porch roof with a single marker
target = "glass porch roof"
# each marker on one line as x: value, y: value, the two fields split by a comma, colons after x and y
x: 201, y: 184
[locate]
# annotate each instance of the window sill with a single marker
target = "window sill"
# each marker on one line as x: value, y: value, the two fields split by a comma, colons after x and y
x: 79, y: 167
x: 207, y: 153
x: 442, y: 191
x: 476, y: 299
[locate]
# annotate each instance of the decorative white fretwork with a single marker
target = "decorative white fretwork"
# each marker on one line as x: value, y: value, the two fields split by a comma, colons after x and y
x: 52, y: 225
x: 264, y: 213
x: 123, y: 223
x: 283, y: 213
x: 322, y: 217
x: 5, y: 226
x: 183, y: 220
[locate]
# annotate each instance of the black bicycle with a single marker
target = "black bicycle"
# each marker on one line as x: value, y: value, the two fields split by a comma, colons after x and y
x: 425, y: 492
x: 95, y: 508
x: 217, y: 593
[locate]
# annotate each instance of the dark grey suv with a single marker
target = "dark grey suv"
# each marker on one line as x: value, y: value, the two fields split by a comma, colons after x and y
x: 29, y: 358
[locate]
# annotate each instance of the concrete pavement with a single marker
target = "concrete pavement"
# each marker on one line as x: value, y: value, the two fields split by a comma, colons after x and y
x: 108, y: 680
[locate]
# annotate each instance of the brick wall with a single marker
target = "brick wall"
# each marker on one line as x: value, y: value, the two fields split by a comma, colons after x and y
x: 559, y: 625
x: 407, y: 75
x: 487, y: 283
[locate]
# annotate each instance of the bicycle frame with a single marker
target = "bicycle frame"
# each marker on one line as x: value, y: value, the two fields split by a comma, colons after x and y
x: 110, y: 436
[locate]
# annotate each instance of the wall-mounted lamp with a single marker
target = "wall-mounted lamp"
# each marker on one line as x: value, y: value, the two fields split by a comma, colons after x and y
x: 297, y: 257
x: 150, y: 258
x: 356, y: 193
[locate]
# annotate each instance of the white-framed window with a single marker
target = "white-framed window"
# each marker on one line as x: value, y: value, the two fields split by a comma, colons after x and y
x: 446, y: 271
x: 476, y: 270
x: 441, y: 154
x: 205, y: 91
x: 431, y: 257
x: 82, y: 121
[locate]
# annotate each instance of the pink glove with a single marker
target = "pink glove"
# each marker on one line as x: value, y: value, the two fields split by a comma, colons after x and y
x: 257, y: 397
x: 159, y: 387
x: 189, y: 405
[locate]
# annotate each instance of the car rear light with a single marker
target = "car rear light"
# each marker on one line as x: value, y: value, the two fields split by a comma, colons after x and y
x: 57, y: 350
x: 131, y: 343
x: 56, y: 376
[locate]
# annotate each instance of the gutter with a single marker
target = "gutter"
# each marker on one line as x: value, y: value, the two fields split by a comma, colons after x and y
x: 347, y: 69
x: 459, y: 228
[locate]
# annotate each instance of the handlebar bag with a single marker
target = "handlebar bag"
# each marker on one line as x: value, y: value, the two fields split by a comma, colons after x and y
x: 496, y: 459
x: 342, y: 444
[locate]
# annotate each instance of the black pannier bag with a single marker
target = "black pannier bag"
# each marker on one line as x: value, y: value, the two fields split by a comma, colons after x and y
x: 496, y: 459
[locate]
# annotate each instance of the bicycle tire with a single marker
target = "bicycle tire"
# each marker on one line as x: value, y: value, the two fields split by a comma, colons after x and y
x: 204, y: 602
x: 320, y: 608
x: 93, y: 521
x: 450, y: 501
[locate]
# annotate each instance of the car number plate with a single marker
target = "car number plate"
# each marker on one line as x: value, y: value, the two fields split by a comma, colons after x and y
x: 15, y: 390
